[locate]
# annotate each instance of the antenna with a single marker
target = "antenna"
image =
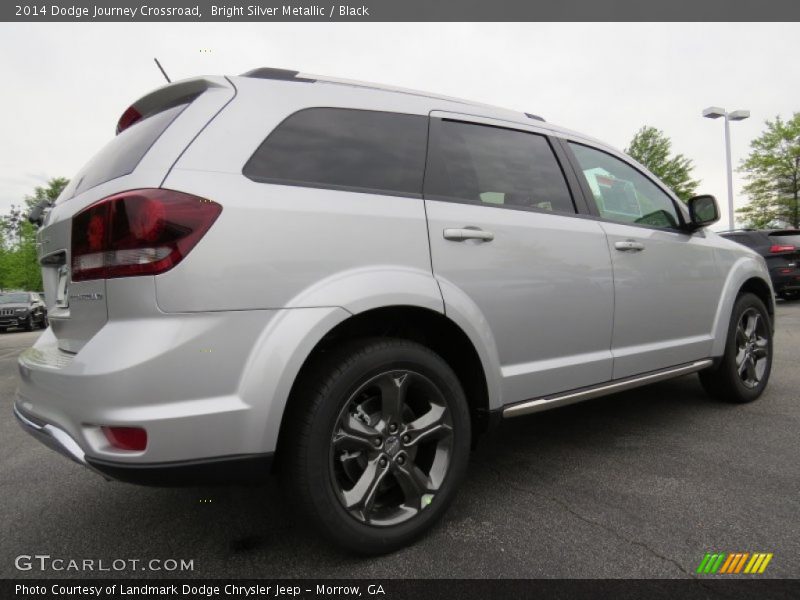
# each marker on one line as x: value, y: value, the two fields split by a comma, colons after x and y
x: 163, y: 72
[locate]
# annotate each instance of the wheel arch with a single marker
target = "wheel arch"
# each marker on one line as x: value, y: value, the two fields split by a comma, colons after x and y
x: 422, y: 325
x: 761, y: 289
x: 747, y: 274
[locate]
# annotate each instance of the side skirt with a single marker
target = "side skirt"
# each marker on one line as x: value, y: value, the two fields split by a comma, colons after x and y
x: 527, y: 407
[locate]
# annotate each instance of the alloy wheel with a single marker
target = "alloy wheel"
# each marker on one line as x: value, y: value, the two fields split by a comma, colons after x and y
x: 752, y: 347
x: 391, y: 448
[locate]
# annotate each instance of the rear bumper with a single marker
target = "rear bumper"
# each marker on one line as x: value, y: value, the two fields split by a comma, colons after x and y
x: 208, y: 388
x: 176, y: 376
x: 51, y: 436
x: 785, y: 282
x: 209, y: 471
x: 226, y: 469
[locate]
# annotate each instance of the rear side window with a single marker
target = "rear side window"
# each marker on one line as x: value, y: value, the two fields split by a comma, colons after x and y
x: 493, y: 166
x: 347, y: 149
x: 122, y: 154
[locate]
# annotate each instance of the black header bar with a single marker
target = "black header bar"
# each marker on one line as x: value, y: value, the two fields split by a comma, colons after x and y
x: 401, y: 10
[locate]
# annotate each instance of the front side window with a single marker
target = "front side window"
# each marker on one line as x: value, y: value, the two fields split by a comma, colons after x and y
x: 488, y: 165
x: 622, y: 193
x: 338, y: 148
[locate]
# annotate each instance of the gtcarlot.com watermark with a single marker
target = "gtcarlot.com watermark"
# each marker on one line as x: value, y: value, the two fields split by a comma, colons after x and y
x: 47, y: 563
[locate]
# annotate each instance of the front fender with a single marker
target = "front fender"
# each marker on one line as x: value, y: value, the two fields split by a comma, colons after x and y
x: 743, y: 269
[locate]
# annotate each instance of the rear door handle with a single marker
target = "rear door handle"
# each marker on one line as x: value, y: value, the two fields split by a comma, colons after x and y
x: 629, y: 246
x: 459, y: 235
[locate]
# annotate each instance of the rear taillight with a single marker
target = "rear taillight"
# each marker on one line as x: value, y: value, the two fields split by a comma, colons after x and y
x: 128, y: 118
x: 778, y: 248
x: 126, y: 438
x: 140, y: 232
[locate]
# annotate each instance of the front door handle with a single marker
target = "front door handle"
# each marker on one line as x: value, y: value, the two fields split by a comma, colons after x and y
x: 467, y: 233
x: 629, y: 246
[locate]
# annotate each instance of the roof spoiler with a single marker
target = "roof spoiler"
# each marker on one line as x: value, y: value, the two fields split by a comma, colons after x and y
x: 166, y: 97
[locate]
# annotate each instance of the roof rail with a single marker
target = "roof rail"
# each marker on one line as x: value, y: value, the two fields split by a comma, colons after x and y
x: 290, y: 75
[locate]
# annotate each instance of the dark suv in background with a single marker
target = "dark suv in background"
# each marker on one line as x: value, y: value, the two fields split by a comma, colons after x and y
x: 22, y: 309
x: 781, y: 249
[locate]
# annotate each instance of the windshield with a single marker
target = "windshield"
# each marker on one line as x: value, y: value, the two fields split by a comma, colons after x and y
x: 14, y: 298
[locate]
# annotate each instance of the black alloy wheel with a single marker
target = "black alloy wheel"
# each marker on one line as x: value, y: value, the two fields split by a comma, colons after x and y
x: 376, y: 441
x: 391, y: 448
x: 742, y: 373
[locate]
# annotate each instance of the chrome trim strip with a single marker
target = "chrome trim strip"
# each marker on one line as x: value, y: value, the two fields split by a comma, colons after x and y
x: 52, y: 436
x: 531, y: 406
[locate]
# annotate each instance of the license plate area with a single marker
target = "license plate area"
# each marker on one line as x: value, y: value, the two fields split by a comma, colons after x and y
x: 62, y: 288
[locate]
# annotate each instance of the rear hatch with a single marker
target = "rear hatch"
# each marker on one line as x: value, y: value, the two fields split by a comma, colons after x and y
x: 151, y: 135
x: 783, y: 239
x: 784, y: 258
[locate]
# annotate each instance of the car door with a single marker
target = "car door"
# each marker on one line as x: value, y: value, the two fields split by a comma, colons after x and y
x: 507, y: 242
x: 667, y: 283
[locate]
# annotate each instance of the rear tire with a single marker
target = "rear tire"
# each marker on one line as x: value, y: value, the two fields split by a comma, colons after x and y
x: 789, y: 296
x: 743, y: 372
x: 376, y: 444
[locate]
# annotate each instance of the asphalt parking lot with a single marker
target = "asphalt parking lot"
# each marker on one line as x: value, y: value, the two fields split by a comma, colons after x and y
x: 639, y: 484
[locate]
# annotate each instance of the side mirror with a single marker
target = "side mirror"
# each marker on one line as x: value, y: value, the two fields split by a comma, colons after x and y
x: 36, y: 216
x: 703, y: 210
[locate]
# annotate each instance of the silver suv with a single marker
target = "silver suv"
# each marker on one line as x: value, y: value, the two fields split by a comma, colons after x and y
x: 359, y: 281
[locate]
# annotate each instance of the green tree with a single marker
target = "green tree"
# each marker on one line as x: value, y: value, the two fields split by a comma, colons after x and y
x: 50, y: 192
x: 19, y: 266
x: 652, y: 148
x: 772, y: 170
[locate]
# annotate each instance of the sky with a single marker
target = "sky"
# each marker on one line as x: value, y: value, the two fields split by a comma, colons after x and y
x: 65, y: 85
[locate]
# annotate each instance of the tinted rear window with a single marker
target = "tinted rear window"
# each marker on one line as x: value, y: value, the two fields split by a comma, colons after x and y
x: 337, y: 148
x: 789, y: 237
x: 743, y: 238
x: 122, y: 154
x: 493, y: 166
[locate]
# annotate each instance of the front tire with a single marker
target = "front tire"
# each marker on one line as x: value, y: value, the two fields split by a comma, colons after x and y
x: 377, y: 443
x: 28, y: 325
x: 743, y: 372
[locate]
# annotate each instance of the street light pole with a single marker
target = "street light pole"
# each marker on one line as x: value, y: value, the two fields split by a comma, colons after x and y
x: 714, y: 112
x: 729, y: 167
